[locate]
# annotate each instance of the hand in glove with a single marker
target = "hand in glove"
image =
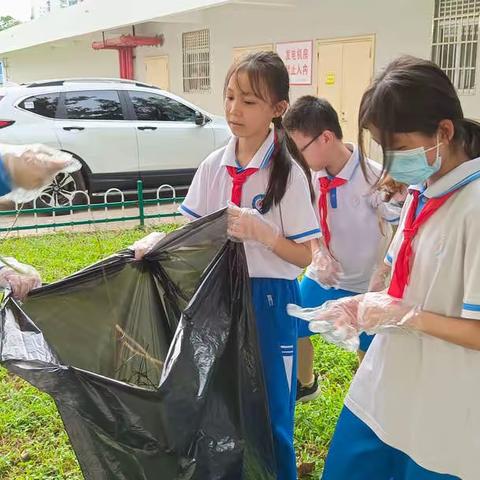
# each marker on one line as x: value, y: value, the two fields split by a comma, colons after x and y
x: 380, y: 278
x: 18, y: 277
x: 335, y: 320
x: 379, y: 311
x: 247, y: 224
x: 34, y: 166
x: 144, y: 245
x: 324, y: 269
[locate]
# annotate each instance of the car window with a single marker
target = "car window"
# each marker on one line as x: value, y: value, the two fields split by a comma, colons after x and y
x: 154, y: 107
x: 44, y: 105
x: 93, y: 105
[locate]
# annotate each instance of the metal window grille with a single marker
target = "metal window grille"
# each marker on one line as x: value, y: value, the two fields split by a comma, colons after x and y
x: 196, y: 61
x: 455, y: 41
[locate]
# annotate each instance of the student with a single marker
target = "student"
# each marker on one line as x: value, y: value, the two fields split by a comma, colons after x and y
x: 274, y: 217
x: 412, y: 409
x: 350, y: 225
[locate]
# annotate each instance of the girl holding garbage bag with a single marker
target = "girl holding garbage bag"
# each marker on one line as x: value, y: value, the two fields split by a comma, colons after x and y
x: 412, y: 410
x: 271, y: 211
x: 24, y: 171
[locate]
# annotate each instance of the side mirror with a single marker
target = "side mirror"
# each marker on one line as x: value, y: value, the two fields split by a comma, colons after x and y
x: 200, y: 119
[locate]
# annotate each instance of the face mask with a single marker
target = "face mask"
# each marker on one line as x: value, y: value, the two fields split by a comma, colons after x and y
x: 411, y: 167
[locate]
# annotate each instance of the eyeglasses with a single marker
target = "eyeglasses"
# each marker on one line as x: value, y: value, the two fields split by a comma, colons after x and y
x: 309, y: 143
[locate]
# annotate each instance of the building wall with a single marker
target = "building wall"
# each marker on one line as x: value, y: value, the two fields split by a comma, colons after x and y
x: 236, y: 26
x: 400, y: 27
x: 68, y: 58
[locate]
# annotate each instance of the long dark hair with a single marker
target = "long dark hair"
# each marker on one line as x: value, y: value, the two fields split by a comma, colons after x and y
x: 414, y: 95
x: 269, y: 80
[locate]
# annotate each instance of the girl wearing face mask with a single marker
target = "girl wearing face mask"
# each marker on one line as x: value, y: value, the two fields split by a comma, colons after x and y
x: 412, y: 410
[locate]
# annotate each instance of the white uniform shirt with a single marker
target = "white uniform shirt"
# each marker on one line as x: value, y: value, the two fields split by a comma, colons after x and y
x: 421, y: 394
x: 353, y: 223
x: 211, y: 190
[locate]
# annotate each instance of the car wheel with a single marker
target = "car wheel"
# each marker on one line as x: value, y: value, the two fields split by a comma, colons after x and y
x: 62, y: 191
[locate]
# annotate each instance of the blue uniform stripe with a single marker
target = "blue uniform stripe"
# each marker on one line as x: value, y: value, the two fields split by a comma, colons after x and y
x: 462, y: 183
x: 239, y: 167
x: 333, y: 198
x: 389, y: 259
x: 471, y: 307
x: 304, y: 234
x: 267, y: 156
x: 190, y: 212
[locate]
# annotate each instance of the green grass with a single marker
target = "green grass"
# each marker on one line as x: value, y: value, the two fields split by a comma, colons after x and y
x: 33, y: 443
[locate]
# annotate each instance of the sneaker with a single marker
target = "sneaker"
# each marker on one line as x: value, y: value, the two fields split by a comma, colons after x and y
x: 307, y: 394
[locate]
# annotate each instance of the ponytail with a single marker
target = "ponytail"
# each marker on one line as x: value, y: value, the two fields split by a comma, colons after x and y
x: 270, y: 81
x: 281, y: 167
x: 467, y: 135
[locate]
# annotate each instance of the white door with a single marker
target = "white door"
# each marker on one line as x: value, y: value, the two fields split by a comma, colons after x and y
x: 240, y: 51
x: 156, y: 71
x: 92, y: 126
x: 345, y: 70
x: 169, y: 141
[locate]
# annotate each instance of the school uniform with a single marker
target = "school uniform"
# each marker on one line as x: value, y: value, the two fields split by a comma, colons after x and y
x: 273, y: 280
x: 354, y: 235
x: 412, y: 412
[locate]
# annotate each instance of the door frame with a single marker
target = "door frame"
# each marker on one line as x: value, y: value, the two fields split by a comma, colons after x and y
x: 322, y: 41
x: 154, y: 57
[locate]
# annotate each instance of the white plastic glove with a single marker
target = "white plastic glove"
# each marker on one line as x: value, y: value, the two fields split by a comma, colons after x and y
x: 378, y: 312
x: 335, y: 320
x: 247, y: 224
x: 324, y: 269
x: 388, y: 210
x: 33, y: 167
x: 376, y: 198
x: 18, y: 277
x: 144, y: 245
x: 380, y: 278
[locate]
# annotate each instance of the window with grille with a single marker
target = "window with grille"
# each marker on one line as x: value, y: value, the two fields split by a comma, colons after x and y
x: 455, y: 41
x: 196, y: 61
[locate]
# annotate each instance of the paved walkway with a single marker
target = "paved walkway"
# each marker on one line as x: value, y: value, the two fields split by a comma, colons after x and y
x: 10, y: 220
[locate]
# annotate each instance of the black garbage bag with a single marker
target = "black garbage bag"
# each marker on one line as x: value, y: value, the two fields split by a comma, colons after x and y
x: 153, y: 365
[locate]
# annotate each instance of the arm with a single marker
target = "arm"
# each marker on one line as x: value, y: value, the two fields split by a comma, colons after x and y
x: 378, y: 311
x: 299, y: 254
x: 460, y: 331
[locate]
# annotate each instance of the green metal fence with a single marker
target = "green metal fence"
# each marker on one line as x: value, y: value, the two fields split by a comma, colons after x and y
x: 140, y: 204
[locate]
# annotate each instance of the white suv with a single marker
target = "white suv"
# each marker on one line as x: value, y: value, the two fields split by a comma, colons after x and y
x: 120, y: 130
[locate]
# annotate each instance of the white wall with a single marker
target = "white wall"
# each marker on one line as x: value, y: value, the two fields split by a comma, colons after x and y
x: 67, y: 58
